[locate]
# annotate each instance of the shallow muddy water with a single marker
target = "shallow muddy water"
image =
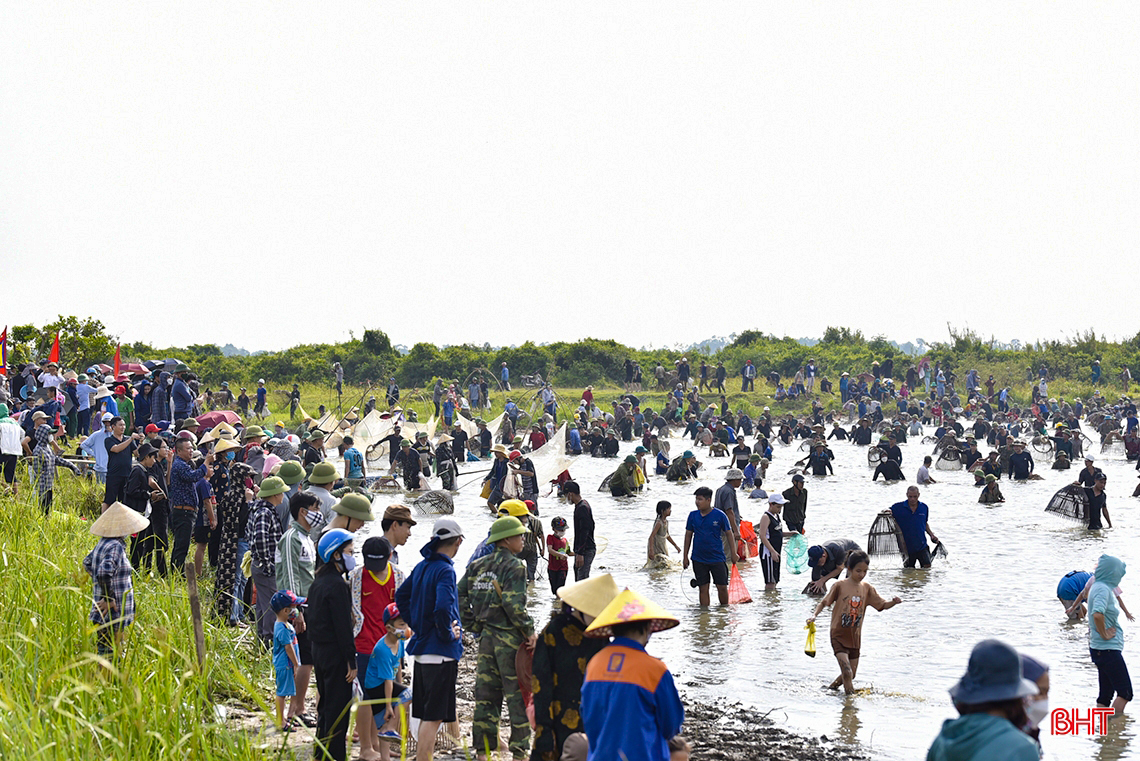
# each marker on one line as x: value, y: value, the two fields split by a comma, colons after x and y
x: 999, y: 581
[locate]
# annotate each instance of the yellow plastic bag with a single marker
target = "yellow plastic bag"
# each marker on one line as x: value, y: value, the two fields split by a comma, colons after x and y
x: 486, y: 490
x: 247, y: 564
x: 809, y: 646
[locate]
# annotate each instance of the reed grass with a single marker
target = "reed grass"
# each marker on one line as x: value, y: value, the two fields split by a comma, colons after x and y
x: 60, y: 700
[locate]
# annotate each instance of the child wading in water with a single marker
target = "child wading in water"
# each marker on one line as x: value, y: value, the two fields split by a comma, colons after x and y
x: 660, y: 533
x: 851, y: 597
x: 559, y: 547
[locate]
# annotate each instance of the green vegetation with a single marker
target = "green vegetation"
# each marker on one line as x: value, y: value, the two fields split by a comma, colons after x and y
x: 59, y: 700
x: 371, y: 357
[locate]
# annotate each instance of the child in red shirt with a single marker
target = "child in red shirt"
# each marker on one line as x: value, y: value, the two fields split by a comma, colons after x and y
x: 559, y: 548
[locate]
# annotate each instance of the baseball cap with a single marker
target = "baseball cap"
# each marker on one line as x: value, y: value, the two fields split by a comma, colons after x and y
x: 445, y: 528
x: 390, y: 612
x: 283, y: 598
x: 776, y: 498
x: 107, y: 417
x: 797, y: 477
x: 151, y: 428
x: 377, y: 551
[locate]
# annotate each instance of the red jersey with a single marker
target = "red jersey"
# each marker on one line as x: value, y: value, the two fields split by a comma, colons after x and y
x: 374, y: 598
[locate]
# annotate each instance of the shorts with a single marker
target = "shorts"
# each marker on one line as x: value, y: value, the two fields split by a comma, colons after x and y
x: 304, y: 649
x: 285, y: 685
x: 116, y: 489
x: 400, y: 694
x: 852, y: 652
x: 771, y: 568
x: 433, y: 691
x: 202, y: 534
x: 718, y: 571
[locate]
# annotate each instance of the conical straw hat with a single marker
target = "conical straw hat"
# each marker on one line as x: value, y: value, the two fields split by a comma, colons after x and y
x: 590, y: 595
x: 629, y: 607
x: 119, y: 520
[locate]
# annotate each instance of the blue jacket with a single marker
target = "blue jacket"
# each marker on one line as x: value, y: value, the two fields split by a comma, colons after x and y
x: 182, y: 399
x: 429, y: 602
x: 630, y: 706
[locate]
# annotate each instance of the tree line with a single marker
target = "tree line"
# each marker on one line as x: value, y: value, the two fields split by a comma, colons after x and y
x: 591, y: 361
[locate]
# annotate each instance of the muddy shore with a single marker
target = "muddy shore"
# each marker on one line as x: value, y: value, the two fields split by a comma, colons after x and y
x: 730, y: 733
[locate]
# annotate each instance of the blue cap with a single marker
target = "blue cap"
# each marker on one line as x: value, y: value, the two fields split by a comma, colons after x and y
x: 283, y: 598
x: 814, y: 554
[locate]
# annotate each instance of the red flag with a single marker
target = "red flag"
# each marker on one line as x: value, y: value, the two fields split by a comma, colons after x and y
x: 54, y: 355
x: 117, y: 362
x: 4, y: 352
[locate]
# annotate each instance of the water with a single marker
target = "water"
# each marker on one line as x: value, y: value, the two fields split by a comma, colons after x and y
x: 1000, y: 581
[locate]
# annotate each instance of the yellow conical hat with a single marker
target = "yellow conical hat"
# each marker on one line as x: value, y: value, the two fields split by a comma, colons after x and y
x: 629, y: 607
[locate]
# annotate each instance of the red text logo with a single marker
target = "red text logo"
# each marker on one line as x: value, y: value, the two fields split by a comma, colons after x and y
x: 1070, y: 721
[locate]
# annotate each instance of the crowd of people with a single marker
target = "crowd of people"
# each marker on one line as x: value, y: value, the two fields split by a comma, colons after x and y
x: 278, y: 521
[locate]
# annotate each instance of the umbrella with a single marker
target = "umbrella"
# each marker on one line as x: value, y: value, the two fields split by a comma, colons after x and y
x: 211, y: 419
x: 132, y: 368
x: 105, y: 368
x: 150, y: 364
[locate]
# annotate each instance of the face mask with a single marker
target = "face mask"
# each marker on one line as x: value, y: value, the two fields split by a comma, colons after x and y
x: 1037, y: 710
x: 400, y: 633
x: 315, y: 518
x: 231, y: 455
x: 349, y: 562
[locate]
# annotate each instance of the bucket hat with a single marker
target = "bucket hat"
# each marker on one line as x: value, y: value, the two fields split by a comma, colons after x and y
x: 993, y: 674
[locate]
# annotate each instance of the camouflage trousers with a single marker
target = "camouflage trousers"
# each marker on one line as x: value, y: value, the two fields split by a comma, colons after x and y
x: 495, y: 679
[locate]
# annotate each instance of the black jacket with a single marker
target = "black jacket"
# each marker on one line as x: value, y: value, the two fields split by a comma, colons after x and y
x: 329, y: 617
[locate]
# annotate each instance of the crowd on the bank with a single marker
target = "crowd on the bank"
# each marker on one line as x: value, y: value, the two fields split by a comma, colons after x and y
x: 277, y: 520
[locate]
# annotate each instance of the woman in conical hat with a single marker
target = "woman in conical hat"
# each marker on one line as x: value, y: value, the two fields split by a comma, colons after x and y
x: 560, y: 656
x: 113, y: 600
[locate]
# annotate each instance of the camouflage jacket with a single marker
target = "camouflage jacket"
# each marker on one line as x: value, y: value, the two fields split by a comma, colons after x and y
x: 492, y: 596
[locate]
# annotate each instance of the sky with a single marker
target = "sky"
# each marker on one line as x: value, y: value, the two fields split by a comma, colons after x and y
x: 652, y: 172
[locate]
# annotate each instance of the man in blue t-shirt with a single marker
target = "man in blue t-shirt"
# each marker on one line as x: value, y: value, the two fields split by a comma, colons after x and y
x: 704, y: 534
x: 912, y: 517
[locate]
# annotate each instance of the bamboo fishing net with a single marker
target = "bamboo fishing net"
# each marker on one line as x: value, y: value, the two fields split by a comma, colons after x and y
x: 436, y: 502
x: 885, y: 537
x: 606, y: 483
x: 949, y: 460
x: 874, y: 456
x: 1071, y: 503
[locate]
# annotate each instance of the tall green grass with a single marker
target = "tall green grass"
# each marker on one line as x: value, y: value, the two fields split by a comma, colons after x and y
x: 58, y: 699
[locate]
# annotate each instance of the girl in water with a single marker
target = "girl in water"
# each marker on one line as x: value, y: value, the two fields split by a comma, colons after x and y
x: 850, y: 597
x: 660, y: 533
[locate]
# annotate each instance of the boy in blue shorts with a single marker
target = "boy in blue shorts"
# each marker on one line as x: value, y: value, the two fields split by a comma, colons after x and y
x: 285, y: 658
x: 384, y: 680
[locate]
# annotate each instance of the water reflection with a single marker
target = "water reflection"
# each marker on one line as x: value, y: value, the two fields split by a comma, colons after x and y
x: 849, y: 723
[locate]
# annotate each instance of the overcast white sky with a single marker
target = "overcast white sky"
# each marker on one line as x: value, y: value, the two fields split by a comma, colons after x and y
x: 650, y: 172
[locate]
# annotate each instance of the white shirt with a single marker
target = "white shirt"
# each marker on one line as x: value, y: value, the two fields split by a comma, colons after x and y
x: 923, y: 475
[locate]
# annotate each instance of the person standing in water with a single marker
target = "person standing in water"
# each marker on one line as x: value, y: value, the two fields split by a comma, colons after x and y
x: 913, y: 518
x: 660, y: 533
x: 1106, y: 638
x: 703, y: 534
x: 850, y: 598
x: 1098, y: 502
